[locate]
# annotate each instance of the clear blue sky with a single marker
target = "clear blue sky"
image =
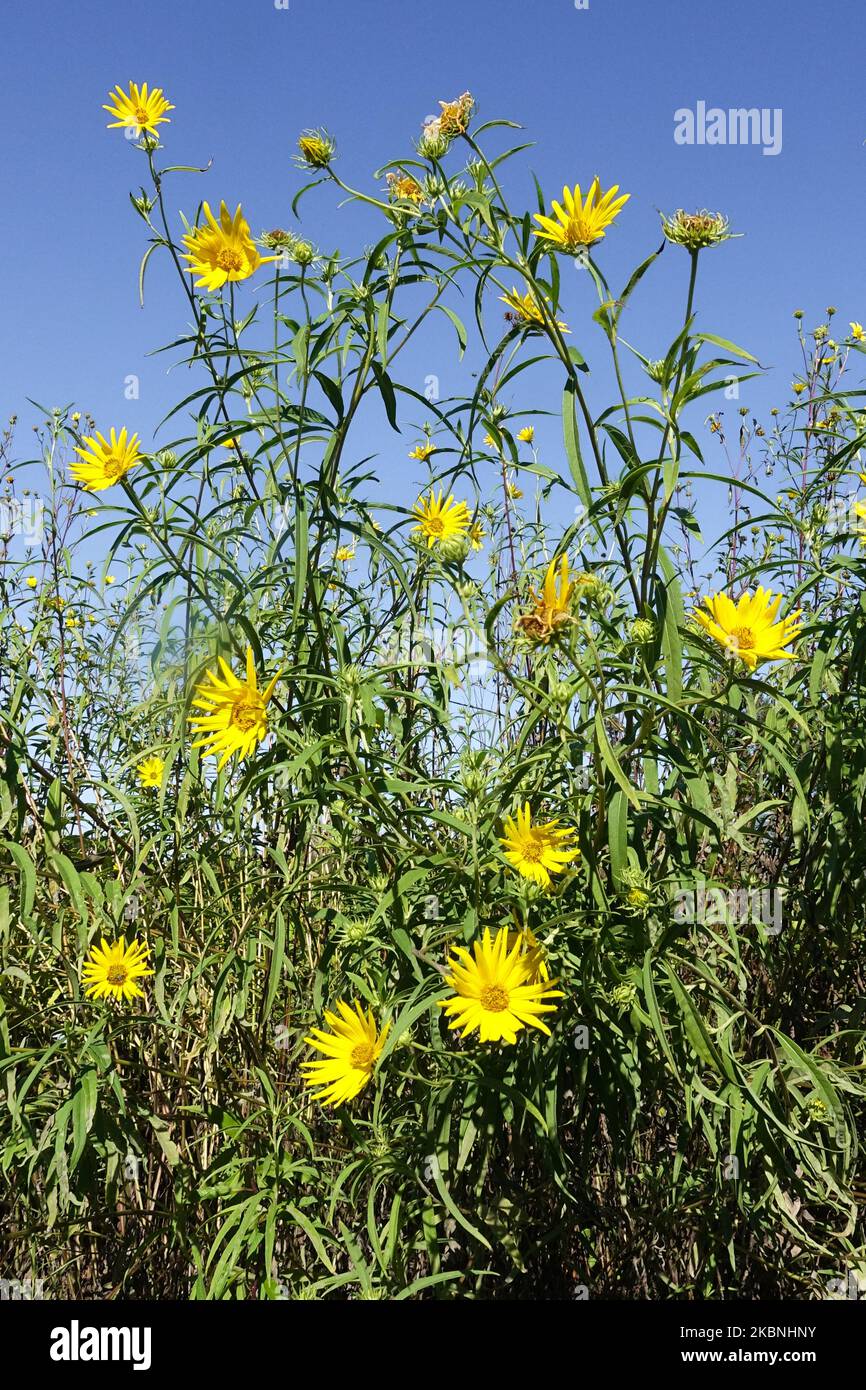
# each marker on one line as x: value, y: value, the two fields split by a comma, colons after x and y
x: 596, y: 90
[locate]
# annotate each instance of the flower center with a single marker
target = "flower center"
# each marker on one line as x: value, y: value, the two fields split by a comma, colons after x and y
x: 744, y: 637
x: 112, y: 467
x: 229, y: 259
x: 362, y: 1056
x: 117, y: 974
x: 581, y: 232
x: 245, y: 715
x: 436, y: 525
x: 494, y: 999
x: 141, y: 115
x: 533, y: 848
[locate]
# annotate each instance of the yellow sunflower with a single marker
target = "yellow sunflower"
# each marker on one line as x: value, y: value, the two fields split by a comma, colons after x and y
x: 527, y: 434
x: 138, y: 108
x: 583, y: 220
x: 235, y: 718
x: 222, y: 251
x: 749, y: 627
x: 150, y: 772
x: 476, y: 535
x: 423, y: 451
x: 537, y: 851
x: 552, y: 608
x: 115, y: 970
x: 104, y: 461
x: 438, y: 520
x: 351, y: 1050
x: 526, y: 310
x: 495, y: 992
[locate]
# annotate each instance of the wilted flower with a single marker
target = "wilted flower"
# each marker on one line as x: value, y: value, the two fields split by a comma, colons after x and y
x: 277, y: 239
x: 403, y: 188
x: 552, y: 607
x: 524, y: 309
x: 696, y: 230
x: 455, y: 116
x: 433, y: 143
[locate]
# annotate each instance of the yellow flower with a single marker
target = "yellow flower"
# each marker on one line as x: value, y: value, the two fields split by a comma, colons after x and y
x: 235, y: 718
x: 552, y: 608
x: 317, y: 149
x: 402, y: 186
x: 490, y: 441
x: 582, y: 221
x: 351, y: 1050
x: 438, y: 520
x: 109, y: 579
x: 345, y: 553
x: 32, y: 581
x: 527, y: 434
x: 150, y: 772
x: 494, y: 992
x: 222, y: 251
x: 115, y: 969
x: 423, y: 451
x: 749, y: 628
x: 514, y: 491
x: 476, y: 535
x: 526, y: 310
x: 537, y: 851
x: 139, y: 109
x: 104, y: 461
x: 798, y: 388
x: 857, y: 332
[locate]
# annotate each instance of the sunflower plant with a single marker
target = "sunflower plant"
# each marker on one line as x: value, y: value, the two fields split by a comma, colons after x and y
x: 404, y: 851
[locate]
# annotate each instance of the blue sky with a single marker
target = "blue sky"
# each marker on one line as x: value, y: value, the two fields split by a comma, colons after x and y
x: 596, y: 89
